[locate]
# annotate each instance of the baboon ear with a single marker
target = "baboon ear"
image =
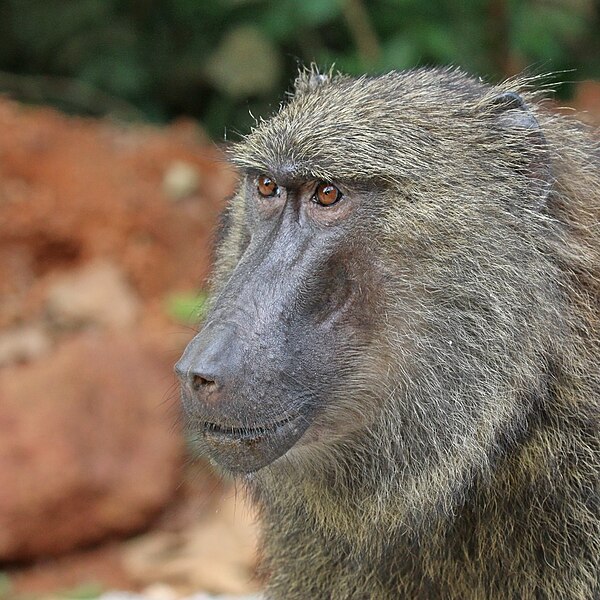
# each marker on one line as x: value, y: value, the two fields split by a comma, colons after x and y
x: 310, y: 79
x: 514, y: 116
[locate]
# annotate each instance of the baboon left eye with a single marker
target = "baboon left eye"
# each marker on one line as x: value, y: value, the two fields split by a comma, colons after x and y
x: 267, y: 187
x: 327, y: 194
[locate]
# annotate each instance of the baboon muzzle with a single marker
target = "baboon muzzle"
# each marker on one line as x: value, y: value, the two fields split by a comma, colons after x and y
x: 251, y: 377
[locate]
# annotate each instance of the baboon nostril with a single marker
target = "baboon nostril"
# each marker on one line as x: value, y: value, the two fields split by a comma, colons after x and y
x: 201, y: 381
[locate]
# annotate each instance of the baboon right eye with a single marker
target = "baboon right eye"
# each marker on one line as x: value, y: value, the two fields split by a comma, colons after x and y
x: 327, y: 194
x: 267, y: 187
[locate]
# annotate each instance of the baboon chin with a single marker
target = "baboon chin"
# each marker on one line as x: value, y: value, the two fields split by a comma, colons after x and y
x: 402, y: 354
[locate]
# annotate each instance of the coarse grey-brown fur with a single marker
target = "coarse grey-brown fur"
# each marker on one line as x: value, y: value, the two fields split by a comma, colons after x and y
x: 475, y: 474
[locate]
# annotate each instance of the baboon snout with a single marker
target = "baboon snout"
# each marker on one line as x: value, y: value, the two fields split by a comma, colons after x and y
x: 208, y: 365
x: 253, y: 379
x: 232, y: 396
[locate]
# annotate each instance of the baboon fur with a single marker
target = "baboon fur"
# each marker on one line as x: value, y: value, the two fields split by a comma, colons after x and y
x: 463, y: 454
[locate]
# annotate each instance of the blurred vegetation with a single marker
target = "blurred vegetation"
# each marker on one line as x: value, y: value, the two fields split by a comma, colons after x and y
x: 5, y: 585
x: 186, y: 308
x: 85, y: 591
x: 225, y: 60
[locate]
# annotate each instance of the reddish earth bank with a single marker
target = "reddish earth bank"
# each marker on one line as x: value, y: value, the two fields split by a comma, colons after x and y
x: 99, y: 223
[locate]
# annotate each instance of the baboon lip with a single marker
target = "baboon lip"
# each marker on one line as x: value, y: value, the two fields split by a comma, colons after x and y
x: 246, y: 432
x: 247, y: 449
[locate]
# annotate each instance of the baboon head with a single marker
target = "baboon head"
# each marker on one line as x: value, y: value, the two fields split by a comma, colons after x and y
x: 383, y: 281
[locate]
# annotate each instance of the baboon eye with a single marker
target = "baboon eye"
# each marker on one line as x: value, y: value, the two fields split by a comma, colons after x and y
x: 327, y: 194
x: 267, y: 187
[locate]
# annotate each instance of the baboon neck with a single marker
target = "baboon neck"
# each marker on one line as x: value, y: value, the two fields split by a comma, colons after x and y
x: 336, y: 536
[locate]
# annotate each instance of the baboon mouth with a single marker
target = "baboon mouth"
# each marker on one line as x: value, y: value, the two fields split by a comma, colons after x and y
x: 246, y: 432
x: 245, y: 449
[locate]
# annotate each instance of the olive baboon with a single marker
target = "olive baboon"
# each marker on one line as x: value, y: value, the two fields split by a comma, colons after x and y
x: 402, y: 357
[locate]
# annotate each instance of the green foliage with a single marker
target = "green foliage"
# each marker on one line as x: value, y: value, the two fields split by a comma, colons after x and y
x: 85, y: 591
x: 187, y: 309
x: 223, y: 61
x: 5, y: 586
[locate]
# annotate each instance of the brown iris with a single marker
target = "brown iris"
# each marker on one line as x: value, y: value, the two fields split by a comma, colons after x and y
x: 267, y: 187
x: 327, y: 194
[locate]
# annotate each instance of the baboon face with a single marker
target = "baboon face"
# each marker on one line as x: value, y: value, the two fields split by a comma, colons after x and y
x: 383, y: 276
x: 286, y: 325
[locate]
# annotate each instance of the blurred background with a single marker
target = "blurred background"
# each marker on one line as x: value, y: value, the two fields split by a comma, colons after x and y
x: 113, y: 118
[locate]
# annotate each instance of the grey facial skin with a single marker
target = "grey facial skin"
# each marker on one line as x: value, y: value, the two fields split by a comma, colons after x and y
x: 255, y: 377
